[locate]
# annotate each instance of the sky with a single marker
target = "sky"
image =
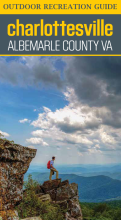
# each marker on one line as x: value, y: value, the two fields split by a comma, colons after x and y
x: 68, y: 107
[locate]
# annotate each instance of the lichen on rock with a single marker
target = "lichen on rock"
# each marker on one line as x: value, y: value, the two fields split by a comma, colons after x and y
x: 14, y: 162
x: 65, y: 195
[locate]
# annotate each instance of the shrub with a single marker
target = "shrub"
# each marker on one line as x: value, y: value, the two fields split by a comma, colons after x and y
x: 118, y: 215
x: 32, y: 206
x: 101, y: 208
x: 101, y: 211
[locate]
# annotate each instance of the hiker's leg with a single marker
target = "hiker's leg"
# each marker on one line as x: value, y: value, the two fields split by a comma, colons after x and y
x: 56, y: 173
x: 50, y: 177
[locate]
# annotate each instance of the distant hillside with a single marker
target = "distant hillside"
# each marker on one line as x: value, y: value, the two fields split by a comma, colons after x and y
x: 91, y: 189
x: 116, y: 175
x: 86, y: 170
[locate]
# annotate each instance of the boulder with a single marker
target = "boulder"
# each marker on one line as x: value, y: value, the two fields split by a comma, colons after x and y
x: 66, y: 196
x: 66, y: 192
x: 63, y: 183
x: 74, y: 206
x: 52, y: 194
x: 49, y: 185
x: 63, y: 204
x: 74, y: 186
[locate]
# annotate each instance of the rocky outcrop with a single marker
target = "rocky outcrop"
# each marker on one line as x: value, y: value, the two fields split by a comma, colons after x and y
x: 14, y: 162
x: 63, y: 194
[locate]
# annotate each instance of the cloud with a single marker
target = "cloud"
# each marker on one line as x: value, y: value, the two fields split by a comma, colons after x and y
x: 95, y: 80
x: 69, y: 119
x: 78, y: 124
x: 96, y: 83
x: 91, y: 119
x: 58, y: 148
x: 80, y: 154
x: 5, y: 134
x: 25, y: 120
x: 107, y: 138
x: 36, y: 141
x: 30, y: 72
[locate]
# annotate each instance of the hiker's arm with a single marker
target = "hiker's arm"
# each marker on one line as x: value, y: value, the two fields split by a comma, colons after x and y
x: 52, y: 166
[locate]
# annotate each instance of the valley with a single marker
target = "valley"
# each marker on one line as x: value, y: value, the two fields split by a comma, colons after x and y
x: 95, y: 183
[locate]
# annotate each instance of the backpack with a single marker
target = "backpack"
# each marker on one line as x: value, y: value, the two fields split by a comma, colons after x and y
x: 48, y: 165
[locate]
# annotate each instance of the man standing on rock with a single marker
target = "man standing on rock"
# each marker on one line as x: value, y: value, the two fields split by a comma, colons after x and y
x: 52, y: 169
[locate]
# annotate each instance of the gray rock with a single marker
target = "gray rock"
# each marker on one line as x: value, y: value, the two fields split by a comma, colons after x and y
x: 45, y: 198
x: 66, y: 192
x: 32, y: 218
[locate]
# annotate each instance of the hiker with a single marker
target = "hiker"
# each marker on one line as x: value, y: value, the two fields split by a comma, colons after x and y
x: 52, y: 169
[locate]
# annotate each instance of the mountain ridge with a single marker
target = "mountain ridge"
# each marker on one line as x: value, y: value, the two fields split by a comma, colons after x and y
x: 91, y: 189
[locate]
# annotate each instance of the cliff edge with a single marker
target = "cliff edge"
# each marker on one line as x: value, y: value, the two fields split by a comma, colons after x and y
x: 14, y: 162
